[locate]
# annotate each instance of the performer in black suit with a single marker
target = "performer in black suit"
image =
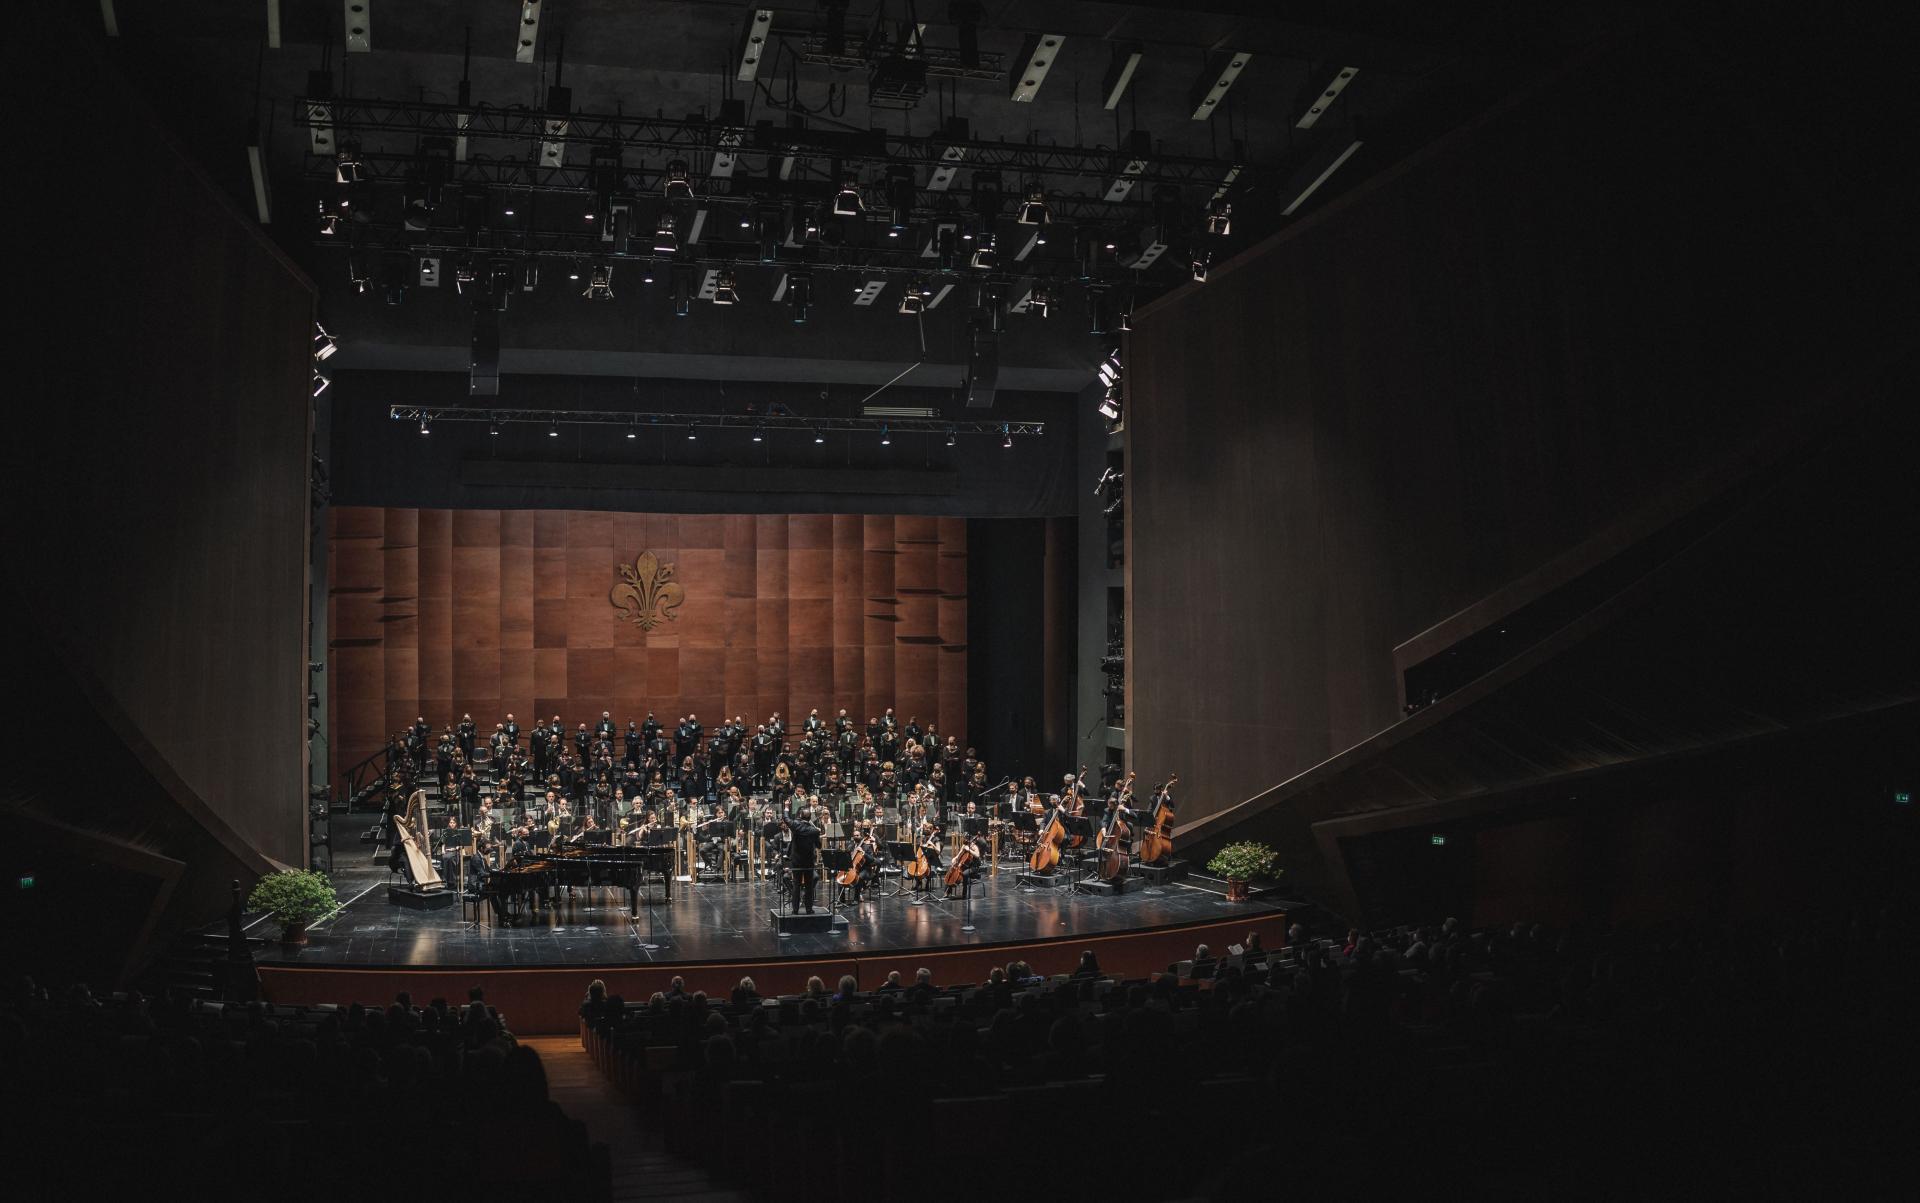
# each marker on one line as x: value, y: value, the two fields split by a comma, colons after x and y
x: 464, y: 734
x: 803, y: 857
x: 583, y: 745
x: 604, y: 728
x: 649, y: 729
x: 635, y: 742
x: 512, y: 729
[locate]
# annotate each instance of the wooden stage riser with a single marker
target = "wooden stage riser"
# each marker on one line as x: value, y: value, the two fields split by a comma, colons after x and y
x: 546, y: 1001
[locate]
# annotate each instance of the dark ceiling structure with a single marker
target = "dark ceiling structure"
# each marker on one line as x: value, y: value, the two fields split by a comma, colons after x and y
x: 827, y: 192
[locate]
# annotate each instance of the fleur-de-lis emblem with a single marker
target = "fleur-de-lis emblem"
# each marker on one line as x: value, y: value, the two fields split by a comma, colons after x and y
x: 646, y: 593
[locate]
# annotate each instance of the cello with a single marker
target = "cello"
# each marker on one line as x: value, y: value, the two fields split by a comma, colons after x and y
x: 1046, y: 850
x: 1157, y: 843
x: 852, y: 872
x: 917, y: 868
x: 956, y: 874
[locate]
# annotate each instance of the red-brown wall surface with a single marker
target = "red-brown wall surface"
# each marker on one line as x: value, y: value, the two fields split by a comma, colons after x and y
x: 444, y: 612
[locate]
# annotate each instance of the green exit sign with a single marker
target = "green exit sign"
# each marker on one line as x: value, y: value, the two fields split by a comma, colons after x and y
x: 1903, y: 797
x: 26, y: 881
x: 1439, y: 841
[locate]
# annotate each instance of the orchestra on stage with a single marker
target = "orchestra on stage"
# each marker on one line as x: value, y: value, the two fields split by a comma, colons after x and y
x: 884, y: 809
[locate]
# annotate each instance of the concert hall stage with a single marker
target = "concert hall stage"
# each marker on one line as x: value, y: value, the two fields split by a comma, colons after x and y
x: 715, y: 933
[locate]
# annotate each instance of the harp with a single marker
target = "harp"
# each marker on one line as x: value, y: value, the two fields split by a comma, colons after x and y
x: 411, y: 827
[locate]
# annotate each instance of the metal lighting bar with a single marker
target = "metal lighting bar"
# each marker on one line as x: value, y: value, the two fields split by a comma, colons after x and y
x: 529, y: 31
x: 624, y: 419
x: 1126, y: 60
x: 1327, y: 96
x: 753, y: 43
x: 357, y: 26
x: 1317, y: 171
x: 1211, y: 88
x: 1040, y: 52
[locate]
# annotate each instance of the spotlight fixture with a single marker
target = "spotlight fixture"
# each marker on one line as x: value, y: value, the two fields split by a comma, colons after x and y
x: 1110, y: 369
x: 1200, y: 269
x: 493, y: 428
x: 573, y: 270
x: 553, y: 430
x: 818, y: 436
x: 665, y: 240
x: 1006, y: 437
x: 846, y: 203
x: 679, y: 187
x: 724, y: 293
x: 324, y: 344
x: 1219, y: 218
x: 423, y: 426
x: 983, y: 257
x: 950, y: 437
x: 600, y: 283
x: 1033, y: 210
x: 759, y: 434
x: 320, y: 384
x: 633, y: 431
x: 799, y: 295
x: 1039, y: 301
x: 1110, y: 405
x: 646, y: 272
x: 913, y: 301
x: 810, y: 224
x: 346, y: 166
x: 900, y: 197
x: 692, y: 434
x: 886, y: 440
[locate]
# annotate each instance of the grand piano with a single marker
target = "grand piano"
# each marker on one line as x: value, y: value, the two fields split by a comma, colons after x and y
x: 585, y: 866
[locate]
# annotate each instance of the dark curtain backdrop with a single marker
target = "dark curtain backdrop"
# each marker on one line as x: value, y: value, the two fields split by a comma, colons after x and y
x: 1465, y: 366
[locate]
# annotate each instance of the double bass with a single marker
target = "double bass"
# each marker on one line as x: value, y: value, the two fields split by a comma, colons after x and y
x: 1046, y: 850
x: 1157, y: 843
x: 1114, y: 840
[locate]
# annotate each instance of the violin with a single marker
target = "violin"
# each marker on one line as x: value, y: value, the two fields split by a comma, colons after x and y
x: 1157, y: 842
x: 962, y: 860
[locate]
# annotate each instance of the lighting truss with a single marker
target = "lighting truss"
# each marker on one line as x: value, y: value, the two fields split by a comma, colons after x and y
x: 522, y: 127
x: 619, y: 421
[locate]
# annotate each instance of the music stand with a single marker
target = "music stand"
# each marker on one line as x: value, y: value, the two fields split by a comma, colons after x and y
x: 833, y: 862
x: 1081, y: 826
x: 462, y: 839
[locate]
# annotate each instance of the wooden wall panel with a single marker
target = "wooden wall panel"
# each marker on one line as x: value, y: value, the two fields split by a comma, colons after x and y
x: 441, y: 613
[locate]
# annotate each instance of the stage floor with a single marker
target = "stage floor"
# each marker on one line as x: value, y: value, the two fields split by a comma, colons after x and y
x: 722, y: 922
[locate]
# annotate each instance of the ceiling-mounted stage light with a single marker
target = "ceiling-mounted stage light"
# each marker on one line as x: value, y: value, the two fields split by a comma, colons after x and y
x: 759, y: 434
x: 553, y: 430
x: 810, y: 225
x: 423, y: 426
x: 682, y: 289
x: 1199, y: 269
x: 1006, y: 436
x: 1219, y: 218
x: 679, y: 184
x: 901, y: 194
x: 818, y: 435
x: 1110, y: 405
x: 665, y: 240
x: 633, y: 429
x: 799, y: 295
x: 724, y: 293
x: 324, y: 344
x: 573, y: 270
x: 692, y: 433
x: 1040, y: 301
x: 320, y: 383
x: 984, y: 258
x: 646, y: 272
x: 951, y: 440
x: 599, y: 283
x: 1033, y: 210
x: 529, y: 276
x: 886, y: 440
x: 493, y: 428
x: 846, y: 202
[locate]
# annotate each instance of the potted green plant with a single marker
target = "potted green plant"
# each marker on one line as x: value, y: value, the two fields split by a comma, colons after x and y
x: 1239, y: 863
x: 295, y: 897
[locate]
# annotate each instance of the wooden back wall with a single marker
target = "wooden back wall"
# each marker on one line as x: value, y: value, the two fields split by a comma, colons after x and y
x: 443, y: 612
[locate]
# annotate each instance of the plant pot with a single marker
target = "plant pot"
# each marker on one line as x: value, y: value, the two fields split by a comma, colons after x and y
x: 1236, y: 889
x: 295, y: 932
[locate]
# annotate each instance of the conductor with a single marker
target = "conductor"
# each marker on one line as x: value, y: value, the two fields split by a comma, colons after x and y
x: 803, y: 858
